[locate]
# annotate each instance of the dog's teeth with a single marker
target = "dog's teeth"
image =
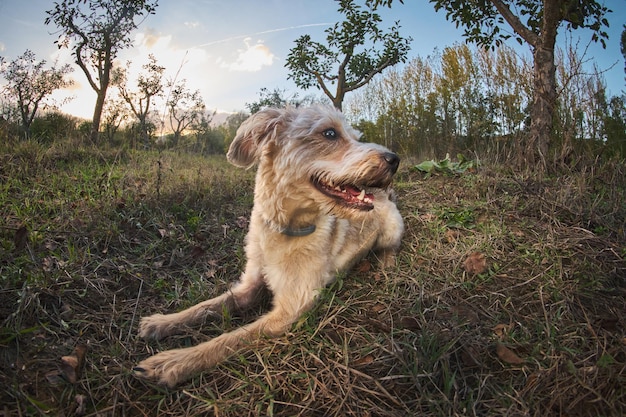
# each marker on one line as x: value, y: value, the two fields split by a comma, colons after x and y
x: 362, y: 195
x: 338, y: 188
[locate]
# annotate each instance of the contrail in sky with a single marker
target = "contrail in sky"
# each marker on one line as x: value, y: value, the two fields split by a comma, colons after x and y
x: 260, y: 33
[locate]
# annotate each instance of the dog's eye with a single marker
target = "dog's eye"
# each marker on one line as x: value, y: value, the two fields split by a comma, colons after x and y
x: 330, y: 134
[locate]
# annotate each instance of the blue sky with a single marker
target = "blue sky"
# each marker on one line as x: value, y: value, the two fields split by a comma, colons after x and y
x: 230, y: 49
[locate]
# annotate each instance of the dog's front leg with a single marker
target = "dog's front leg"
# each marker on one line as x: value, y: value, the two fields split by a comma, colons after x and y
x: 242, y: 295
x: 174, y: 366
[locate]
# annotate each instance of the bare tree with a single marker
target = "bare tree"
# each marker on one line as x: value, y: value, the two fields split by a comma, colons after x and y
x: 185, y: 108
x: 97, y: 30
x: 149, y: 85
x: 113, y: 115
x: 30, y: 83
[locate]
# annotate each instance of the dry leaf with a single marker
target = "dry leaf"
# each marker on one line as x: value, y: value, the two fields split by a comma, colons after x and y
x: 501, y: 330
x: 196, y: 252
x: 465, y: 313
x: 378, y: 308
x: 468, y: 357
x: 364, y: 266
x: 366, y: 360
x: 55, y: 377
x: 507, y: 355
x: 71, y: 366
x: 410, y: 323
x: 21, y: 238
x: 81, y: 405
x: 428, y: 217
x: 47, y: 264
x: 475, y: 264
x: 242, y: 222
x: 452, y: 235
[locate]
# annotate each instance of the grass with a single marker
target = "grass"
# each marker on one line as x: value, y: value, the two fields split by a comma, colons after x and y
x: 93, y: 239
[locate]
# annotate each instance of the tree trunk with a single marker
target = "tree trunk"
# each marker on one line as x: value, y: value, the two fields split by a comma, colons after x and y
x: 97, y: 115
x: 535, y: 152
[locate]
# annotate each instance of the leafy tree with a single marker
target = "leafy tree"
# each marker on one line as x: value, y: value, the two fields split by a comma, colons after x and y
x: 149, y: 85
x: 535, y: 22
x: 276, y: 98
x: 615, y: 126
x: 350, y: 58
x: 97, y: 30
x: 30, y: 83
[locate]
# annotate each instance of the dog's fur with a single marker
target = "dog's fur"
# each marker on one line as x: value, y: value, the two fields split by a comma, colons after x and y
x: 310, y: 220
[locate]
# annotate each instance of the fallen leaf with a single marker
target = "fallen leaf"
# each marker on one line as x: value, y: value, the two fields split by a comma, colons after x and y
x: 47, y: 263
x: 242, y: 222
x: 364, y: 266
x: 197, y: 252
x: 378, y: 308
x: 427, y: 217
x: 468, y: 357
x: 410, y: 323
x: 501, y: 330
x: 475, y: 264
x: 55, y: 377
x: 21, y: 238
x: 452, y: 235
x: 507, y: 355
x: 81, y: 405
x: 465, y: 313
x: 366, y: 360
x: 71, y: 366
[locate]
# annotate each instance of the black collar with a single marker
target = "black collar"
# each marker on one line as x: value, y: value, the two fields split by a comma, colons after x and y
x: 305, y: 231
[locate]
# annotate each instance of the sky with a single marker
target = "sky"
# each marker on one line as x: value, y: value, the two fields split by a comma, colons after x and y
x: 230, y: 49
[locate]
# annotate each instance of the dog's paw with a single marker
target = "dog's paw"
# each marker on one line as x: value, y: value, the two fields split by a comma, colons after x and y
x: 155, y: 327
x: 166, y: 368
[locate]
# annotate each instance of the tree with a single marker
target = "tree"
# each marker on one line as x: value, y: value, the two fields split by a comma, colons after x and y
x: 30, y: 83
x: 350, y: 58
x: 276, y: 98
x: 149, y: 85
x: 535, y: 22
x: 97, y: 31
x: 114, y: 114
x: 185, y: 108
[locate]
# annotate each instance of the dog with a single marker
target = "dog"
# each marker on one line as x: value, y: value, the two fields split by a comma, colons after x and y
x: 322, y: 202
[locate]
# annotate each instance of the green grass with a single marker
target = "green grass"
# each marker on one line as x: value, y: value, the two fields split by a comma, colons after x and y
x: 113, y: 235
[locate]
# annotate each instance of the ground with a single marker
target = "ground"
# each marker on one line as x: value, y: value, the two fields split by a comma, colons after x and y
x: 508, y: 297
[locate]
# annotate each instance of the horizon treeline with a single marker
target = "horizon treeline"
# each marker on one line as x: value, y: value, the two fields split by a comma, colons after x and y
x: 462, y: 99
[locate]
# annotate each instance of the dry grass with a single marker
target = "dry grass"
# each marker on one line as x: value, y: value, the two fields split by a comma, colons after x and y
x: 112, y: 236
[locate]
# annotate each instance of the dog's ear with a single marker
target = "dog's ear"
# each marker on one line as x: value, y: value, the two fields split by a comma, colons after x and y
x: 253, y: 135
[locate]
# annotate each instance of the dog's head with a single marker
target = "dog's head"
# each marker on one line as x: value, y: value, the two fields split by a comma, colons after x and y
x: 314, y: 153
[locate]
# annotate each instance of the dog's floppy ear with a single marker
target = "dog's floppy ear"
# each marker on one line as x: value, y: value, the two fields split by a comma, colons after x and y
x: 252, y: 135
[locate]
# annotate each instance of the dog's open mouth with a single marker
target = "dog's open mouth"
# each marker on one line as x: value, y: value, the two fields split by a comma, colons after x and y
x: 347, y: 195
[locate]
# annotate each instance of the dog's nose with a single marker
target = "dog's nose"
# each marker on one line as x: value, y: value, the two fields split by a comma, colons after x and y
x: 393, y: 160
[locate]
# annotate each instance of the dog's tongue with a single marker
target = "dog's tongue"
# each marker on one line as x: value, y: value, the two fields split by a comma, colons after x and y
x: 356, y: 193
x: 352, y: 190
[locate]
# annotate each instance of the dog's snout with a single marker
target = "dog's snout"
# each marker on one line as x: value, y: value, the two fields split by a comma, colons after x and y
x: 393, y: 160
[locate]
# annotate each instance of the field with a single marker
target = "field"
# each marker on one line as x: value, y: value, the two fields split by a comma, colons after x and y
x: 508, y: 298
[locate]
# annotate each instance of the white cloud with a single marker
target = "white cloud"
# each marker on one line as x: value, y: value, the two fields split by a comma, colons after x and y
x: 251, y: 59
x: 2, y: 47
